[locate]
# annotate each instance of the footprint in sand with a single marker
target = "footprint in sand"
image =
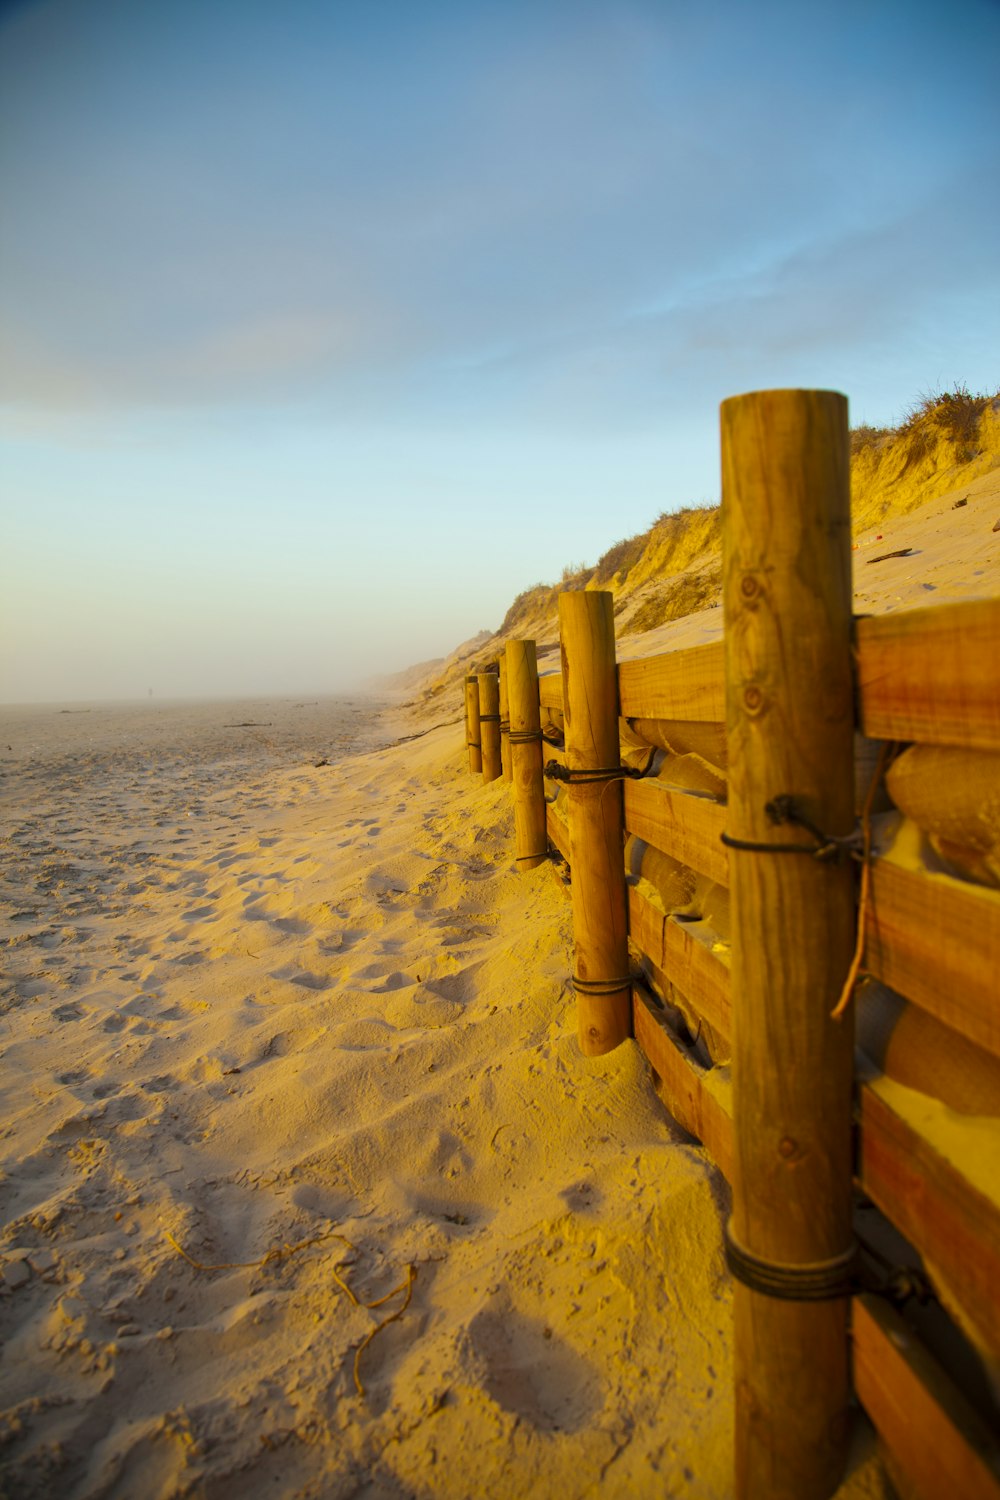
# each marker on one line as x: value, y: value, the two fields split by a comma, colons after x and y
x: 303, y: 977
x: 395, y: 981
x: 200, y: 914
x: 364, y: 1035
x: 341, y: 942
x: 532, y: 1372
x: 296, y: 1040
x: 164, y: 1083
x: 71, y: 1012
x: 257, y: 909
x: 422, y: 1008
x: 181, y: 1008
x: 29, y: 989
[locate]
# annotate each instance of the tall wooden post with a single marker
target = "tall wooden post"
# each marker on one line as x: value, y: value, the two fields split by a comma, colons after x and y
x: 504, y: 719
x: 472, y: 731
x: 489, y: 724
x: 526, y: 754
x: 789, y: 725
x: 597, y: 857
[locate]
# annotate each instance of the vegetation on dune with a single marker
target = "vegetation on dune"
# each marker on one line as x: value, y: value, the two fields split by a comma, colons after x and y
x: 945, y: 439
x: 617, y: 562
x: 525, y: 605
x: 955, y: 416
x: 683, y: 595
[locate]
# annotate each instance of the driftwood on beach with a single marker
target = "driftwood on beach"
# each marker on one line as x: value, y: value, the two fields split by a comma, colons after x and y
x: 741, y: 833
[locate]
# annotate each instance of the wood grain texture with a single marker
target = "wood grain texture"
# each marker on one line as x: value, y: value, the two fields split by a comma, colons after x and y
x: 939, y: 1445
x: 505, y: 761
x: 489, y: 725
x: 790, y: 729
x: 954, y: 1226
x: 932, y: 675
x: 701, y: 1111
x: 687, y: 684
x: 526, y: 759
x: 550, y: 690
x: 936, y: 940
x: 472, y: 731
x: 600, y: 932
x: 680, y: 824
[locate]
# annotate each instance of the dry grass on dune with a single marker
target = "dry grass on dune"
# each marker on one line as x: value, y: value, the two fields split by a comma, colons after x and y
x: 946, y: 439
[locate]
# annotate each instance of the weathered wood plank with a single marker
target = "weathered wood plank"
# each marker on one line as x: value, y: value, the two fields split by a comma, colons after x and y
x: 688, y: 827
x: 698, y: 972
x: 955, y: 1227
x: 550, y: 690
x: 937, y: 1441
x: 932, y: 675
x: 699, y: 1109
x: 688, y: 684
x: 936, y: 940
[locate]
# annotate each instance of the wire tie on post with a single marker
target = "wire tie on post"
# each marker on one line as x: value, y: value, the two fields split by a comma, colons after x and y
x: 784, y: 809
x: 601, y: 986
x: 525, y: 736
x: 554, y: 770
x: 817, y: 1281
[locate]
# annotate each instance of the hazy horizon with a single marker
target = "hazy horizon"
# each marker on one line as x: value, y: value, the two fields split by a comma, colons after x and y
x: 154, y: 700
x: 327, y: 329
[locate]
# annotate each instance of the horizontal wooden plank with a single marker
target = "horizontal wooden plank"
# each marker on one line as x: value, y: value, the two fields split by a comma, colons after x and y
x: 954, y: 1226
x: 936, y: 940
x: 937, y: 1442
x: 932, y: 675
x: 701, y: 975
x: 550, y: 690
x: 558, y: 830
x: 701, y: 1110
x: 688, y: 684
x: 680, y: 824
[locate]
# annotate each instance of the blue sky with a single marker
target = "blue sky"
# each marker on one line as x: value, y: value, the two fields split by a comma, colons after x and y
x: 326, y: 328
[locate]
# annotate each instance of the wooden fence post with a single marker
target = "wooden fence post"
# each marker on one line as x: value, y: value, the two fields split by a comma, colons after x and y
x: 789, y: 724
x: 472, y: 731
x: 489, y: 724
x: 504, y: 719
x: 526, y: 754
x: 597, y: 856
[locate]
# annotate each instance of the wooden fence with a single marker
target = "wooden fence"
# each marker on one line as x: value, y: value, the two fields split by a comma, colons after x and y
x: 863, y: 1200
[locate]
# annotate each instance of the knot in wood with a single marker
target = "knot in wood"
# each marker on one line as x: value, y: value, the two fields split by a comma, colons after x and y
x: 753, y: 699
x: 749, y: 587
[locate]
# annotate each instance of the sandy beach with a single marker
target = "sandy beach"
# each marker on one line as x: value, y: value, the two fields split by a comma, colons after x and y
x: 317, y: 1008
x: 307, y: 1188
x: 341, y: 347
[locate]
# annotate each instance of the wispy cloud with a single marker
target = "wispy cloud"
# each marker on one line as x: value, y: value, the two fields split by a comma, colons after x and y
x: 326, y: 206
